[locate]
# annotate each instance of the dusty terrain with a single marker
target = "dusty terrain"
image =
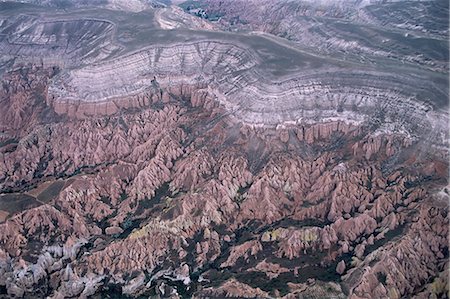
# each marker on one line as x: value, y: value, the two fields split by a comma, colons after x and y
x: 149, y: 150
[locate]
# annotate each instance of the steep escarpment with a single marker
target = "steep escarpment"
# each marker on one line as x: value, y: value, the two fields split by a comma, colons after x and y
x: 171, y: 66
x: 137, y: 161
x: 260, y: 80
x: 234, y: 77
x: 176, y: 197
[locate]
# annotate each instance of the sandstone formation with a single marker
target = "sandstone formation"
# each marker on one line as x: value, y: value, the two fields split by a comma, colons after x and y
x: 142, y: 184
x: 232, y: 75
x: 197, y: 169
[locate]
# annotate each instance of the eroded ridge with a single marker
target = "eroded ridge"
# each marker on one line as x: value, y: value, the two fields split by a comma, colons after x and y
x: 176, y: 198
x: 208, y: 164
x: 56, y: 42
x: 235, y: 77
x: 168, y: 65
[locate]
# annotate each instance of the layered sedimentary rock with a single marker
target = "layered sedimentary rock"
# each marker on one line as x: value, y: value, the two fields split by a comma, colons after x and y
x: 177, y: 201
x: 212, y: 168
x: 238, y: 73
x: 407, y: 31
x: 232, y: 76
x: 129, y: 5
x: 57, y: 42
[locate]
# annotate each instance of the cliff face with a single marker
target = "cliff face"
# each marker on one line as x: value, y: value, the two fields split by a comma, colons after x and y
x: 233, y: 76
x: 208, y: 164
x: 180, y: 198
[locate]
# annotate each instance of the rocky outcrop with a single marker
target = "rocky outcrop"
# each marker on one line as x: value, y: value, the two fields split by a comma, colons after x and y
x: 340, y: 268
x: 23, y: 100
x: 244, y: 251
x: 381, y: 278
x: 236, y: 72
x: 233, y: 196
x: 329, y: 27
x: 233, y: 288
x: 223, y: 165
x: 56, y: 42
x: 229, y: 72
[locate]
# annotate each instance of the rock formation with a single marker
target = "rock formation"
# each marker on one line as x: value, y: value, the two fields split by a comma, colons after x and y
x: 213, y: 164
